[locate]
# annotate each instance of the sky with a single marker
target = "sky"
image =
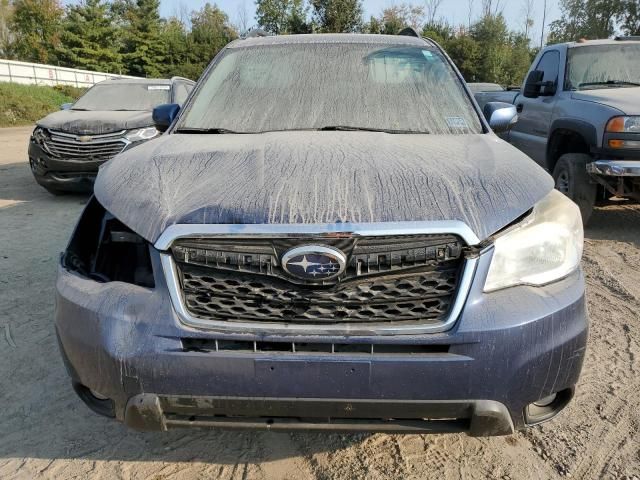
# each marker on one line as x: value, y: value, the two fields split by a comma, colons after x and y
x: 455, y: 11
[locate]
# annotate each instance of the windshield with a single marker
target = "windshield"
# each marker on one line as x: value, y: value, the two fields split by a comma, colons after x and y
x: 123, y: 96
x: 321, y: 85
x: 603, y: 66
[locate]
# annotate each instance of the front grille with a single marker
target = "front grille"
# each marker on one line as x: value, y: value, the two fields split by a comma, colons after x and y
x: 387, y: 280
x: 98, y: 148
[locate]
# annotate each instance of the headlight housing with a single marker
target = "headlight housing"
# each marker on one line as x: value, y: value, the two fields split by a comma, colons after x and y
x: 105, y: 250
x: 40, y: 135
x: 624, y: 125
x: 546, y: 246
x: 141, y: 134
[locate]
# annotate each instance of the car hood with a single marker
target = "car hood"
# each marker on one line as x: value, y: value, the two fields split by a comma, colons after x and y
x: 320, y: 177
x: 625, y: 99
x: 95, y: 122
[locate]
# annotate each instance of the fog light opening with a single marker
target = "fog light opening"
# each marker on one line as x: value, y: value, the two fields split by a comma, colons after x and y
x: 95, y: 401
x: 99, y: 396
x: 547, y: 407
x: 546, y: 401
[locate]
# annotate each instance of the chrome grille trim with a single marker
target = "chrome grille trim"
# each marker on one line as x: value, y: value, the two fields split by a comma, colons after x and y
x: 101, y: 147
x: 311, y: 231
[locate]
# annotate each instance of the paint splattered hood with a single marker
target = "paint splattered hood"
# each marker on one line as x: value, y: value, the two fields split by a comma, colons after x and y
x: 320, y: 177
x: 95, y: 122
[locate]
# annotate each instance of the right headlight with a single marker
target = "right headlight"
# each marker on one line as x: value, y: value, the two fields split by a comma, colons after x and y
x: 546, y: 246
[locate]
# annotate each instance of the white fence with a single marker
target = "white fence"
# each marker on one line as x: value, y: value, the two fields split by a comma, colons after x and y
x: 37, y: 74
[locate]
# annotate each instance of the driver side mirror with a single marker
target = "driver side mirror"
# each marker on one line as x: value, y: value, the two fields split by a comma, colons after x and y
x: 533, y: 85
x: 501, y: 116
x: 66, y: 106
x: 163, y: 115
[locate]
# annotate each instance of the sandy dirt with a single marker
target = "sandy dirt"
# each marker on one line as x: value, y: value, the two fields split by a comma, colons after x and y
x: 46, y: 432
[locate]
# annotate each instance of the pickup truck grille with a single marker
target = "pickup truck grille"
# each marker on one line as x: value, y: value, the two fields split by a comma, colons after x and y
x: 99, y: 148
x: 387, y: 279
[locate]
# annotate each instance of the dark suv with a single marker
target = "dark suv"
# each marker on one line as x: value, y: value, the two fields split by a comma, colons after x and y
x: 67, y: 147
x: 329, y: 236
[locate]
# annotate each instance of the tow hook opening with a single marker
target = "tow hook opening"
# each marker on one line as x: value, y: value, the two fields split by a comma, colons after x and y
x: 97, y: 402
x: 547, y: 407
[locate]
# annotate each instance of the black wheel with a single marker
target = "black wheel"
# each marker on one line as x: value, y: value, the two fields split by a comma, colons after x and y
x: 572, y: 179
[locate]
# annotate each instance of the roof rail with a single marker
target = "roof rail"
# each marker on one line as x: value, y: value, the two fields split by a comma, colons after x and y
x: 630, y: 38
x: 409, y: 32
x: 256, y: 32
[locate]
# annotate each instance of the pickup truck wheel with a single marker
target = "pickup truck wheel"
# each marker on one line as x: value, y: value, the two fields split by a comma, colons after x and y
x: 572, y: 179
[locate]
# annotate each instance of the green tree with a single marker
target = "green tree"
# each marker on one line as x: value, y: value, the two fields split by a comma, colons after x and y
x: 88, y: 38
x: 298, y: 21
x: 143, y: 50
x: 397, y: 17
x: 6, y: 13
x: 210, y: 32
x: 492, y: 34
x: 629, y: 17
x: 35, y: 30
x: 440, y: 31
x: 374, y: 26
x: 589, y: 19
x: 465, y: 53
x: 338, y: 16
x: 282, y: 16
x: 176, y: 42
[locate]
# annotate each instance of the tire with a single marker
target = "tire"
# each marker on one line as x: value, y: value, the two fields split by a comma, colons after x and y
x: 571, y: 178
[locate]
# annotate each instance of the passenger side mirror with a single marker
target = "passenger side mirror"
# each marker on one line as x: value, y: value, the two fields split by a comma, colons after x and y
x: 501, y: 116
x: 163, y: 115
x: 533, y: 85
x: 66, y: 106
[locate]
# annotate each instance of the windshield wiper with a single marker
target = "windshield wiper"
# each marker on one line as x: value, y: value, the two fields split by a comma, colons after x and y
x: 344, y: 128
x: 610, y: 82
x: 205, y: 130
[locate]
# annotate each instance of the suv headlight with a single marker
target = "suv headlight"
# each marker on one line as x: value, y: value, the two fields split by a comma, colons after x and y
x: 546, y: 246
x: 140, y: 134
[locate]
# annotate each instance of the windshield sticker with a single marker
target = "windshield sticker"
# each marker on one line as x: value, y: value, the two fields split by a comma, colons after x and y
x: 456, y: 122
x: 158, y: 87
x: 427, y: 54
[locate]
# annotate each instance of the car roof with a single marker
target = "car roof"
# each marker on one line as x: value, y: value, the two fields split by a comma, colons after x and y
x: 606, y: 41
x: 328, y: 38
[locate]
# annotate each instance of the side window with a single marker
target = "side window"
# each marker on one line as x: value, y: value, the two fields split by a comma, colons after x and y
x: 550, y: 65
x: 181, y: 92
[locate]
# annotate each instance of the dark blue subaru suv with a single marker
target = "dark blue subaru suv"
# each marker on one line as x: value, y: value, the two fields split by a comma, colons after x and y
x: 329, y: 235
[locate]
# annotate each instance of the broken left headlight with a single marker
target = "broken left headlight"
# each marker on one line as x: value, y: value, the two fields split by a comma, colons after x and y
x: 40, y: 136
x: 105, y: 250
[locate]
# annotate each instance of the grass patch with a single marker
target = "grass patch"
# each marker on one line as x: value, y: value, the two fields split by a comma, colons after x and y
x: 24, y: 104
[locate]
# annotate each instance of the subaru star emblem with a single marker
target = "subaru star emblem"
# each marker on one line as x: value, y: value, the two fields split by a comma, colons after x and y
x: 314, y: 263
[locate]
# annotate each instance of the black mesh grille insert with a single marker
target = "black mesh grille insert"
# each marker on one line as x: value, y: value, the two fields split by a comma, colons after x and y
x: 388, y: 279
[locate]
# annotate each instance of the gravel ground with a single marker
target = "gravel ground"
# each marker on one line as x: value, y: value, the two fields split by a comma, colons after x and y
x: 46, y: 432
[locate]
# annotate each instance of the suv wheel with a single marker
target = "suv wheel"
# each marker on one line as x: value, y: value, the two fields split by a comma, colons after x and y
x: 572, y: 179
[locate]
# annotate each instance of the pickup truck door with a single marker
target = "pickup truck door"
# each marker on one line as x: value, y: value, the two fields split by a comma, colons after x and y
x: 534, y: 114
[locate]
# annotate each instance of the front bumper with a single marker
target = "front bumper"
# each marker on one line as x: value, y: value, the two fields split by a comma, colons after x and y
x: 507, y: 349
x: 60, y: 174
x: 615, y: 168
